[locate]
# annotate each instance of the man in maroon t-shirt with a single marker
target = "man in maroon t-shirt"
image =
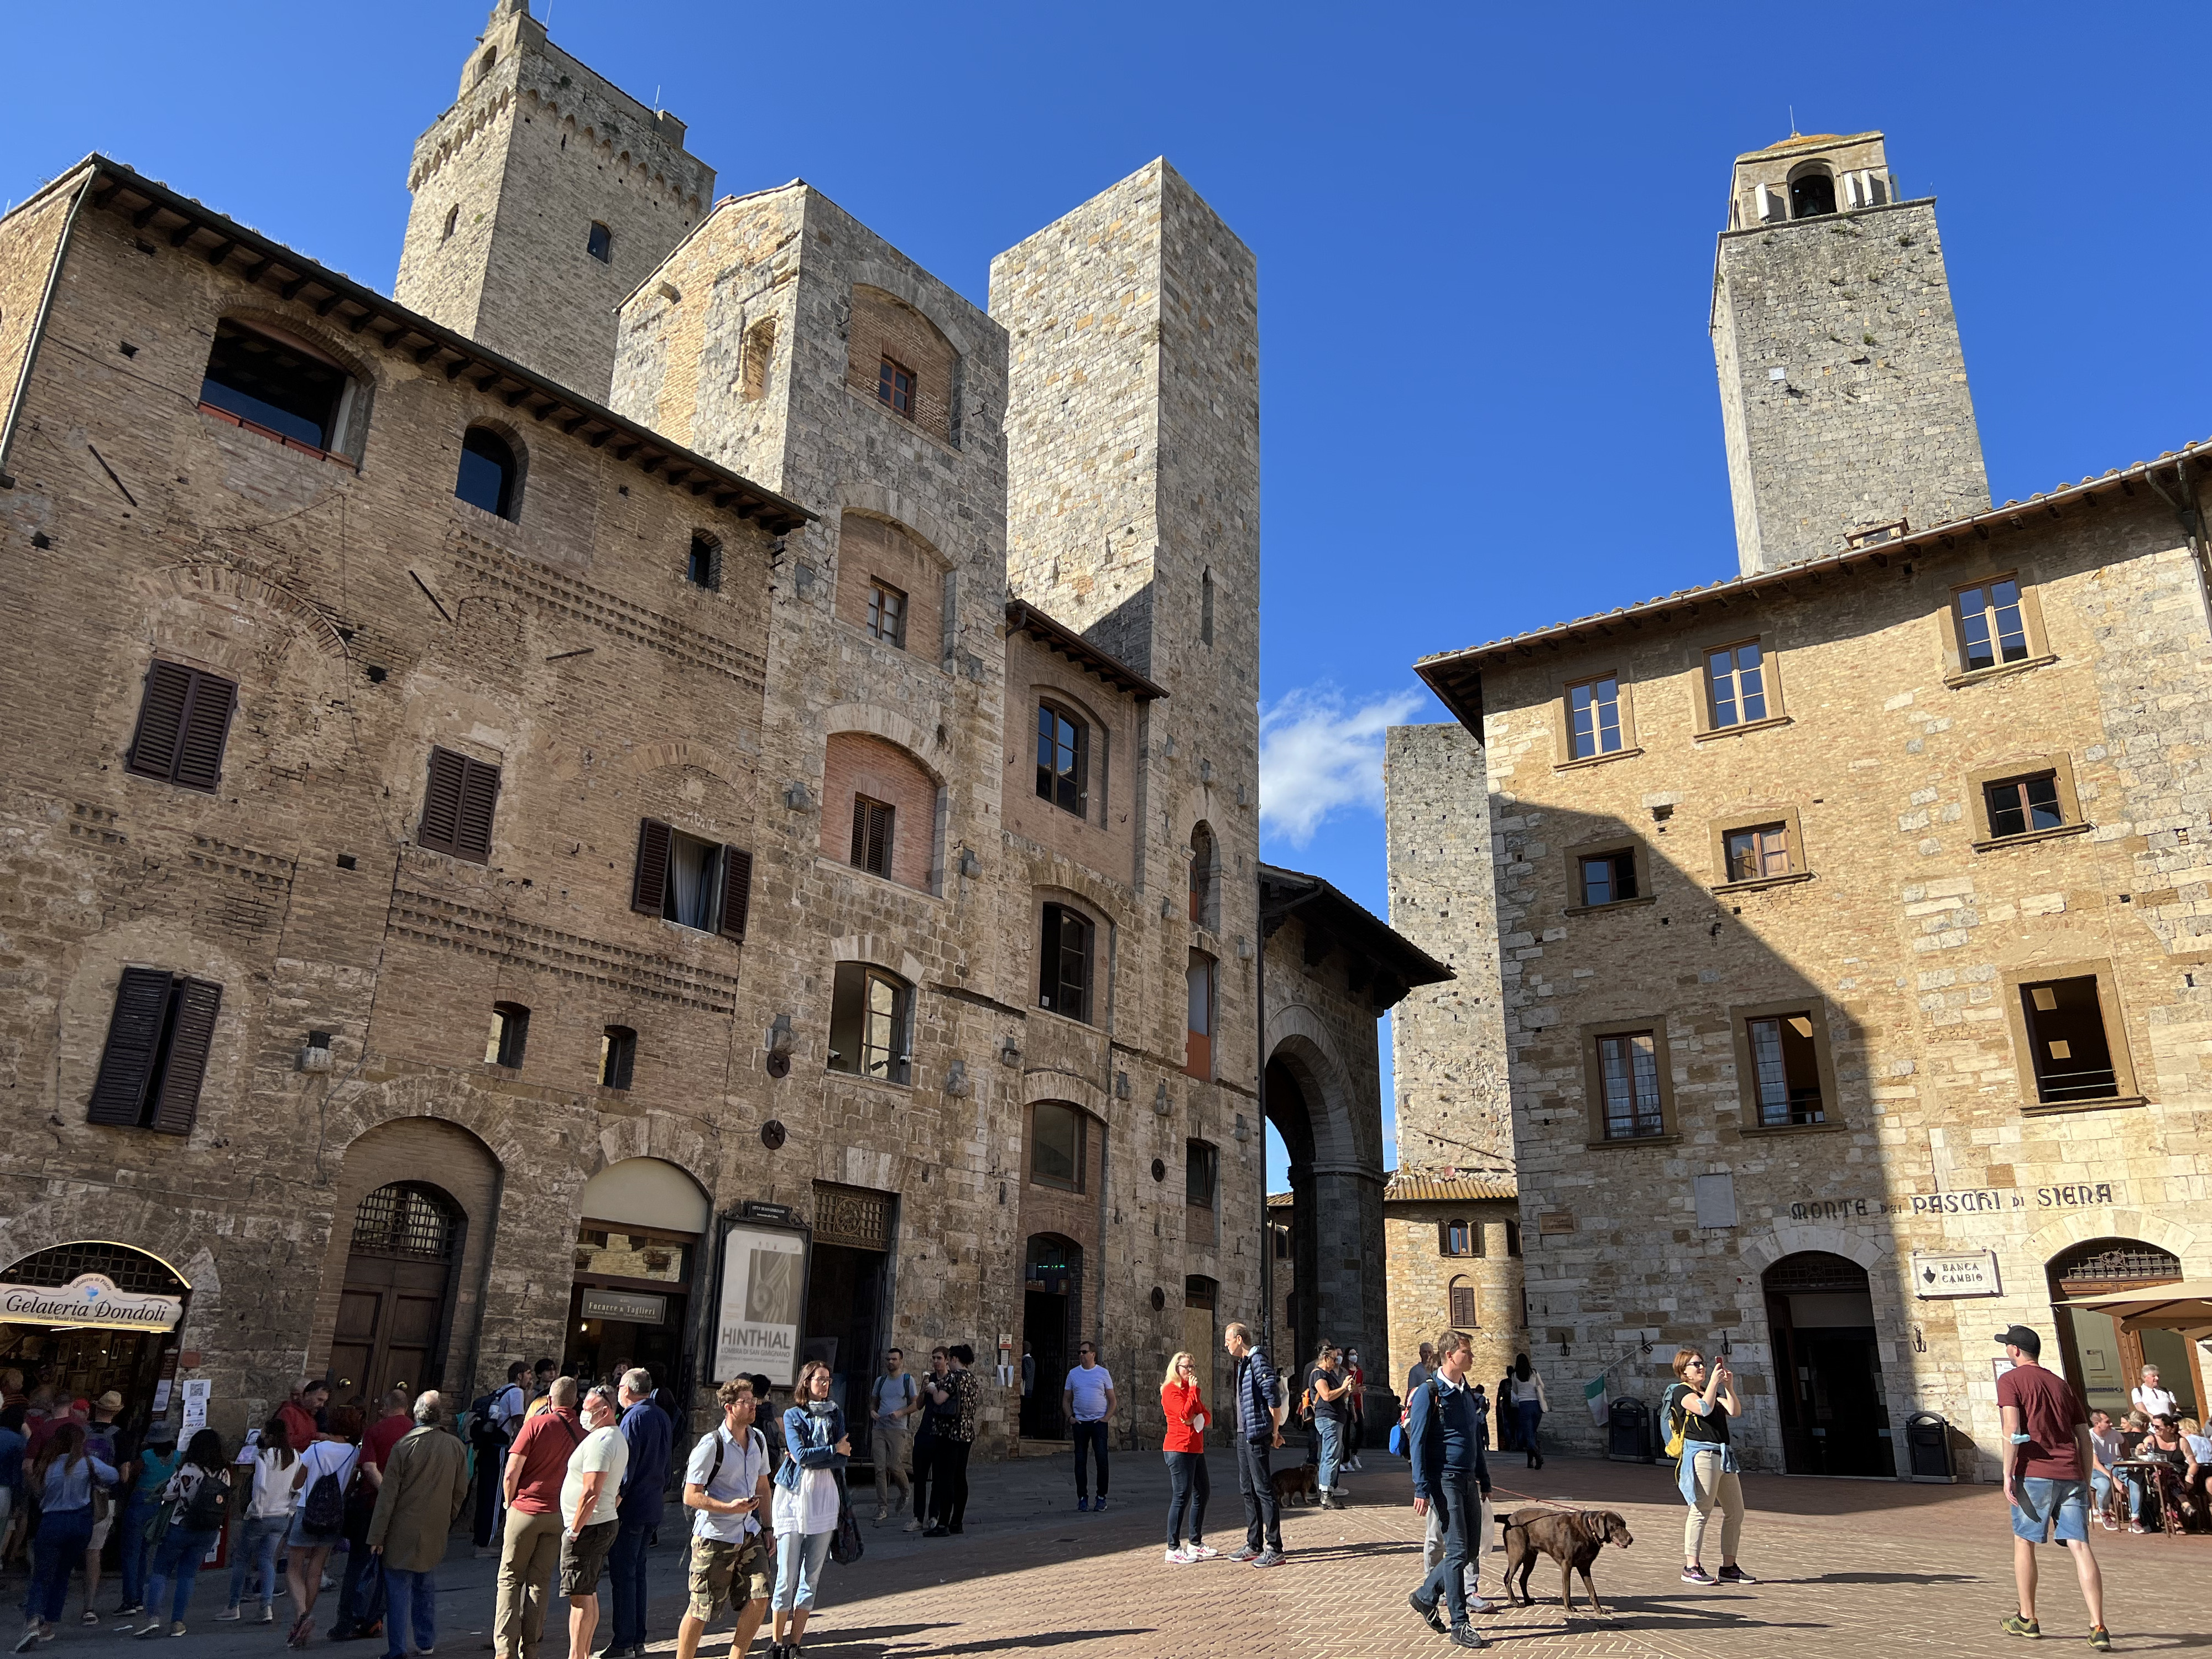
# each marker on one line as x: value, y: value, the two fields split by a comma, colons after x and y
x: 529, y: 1549
x: 2047, y: 1462
x: 388, y: 1432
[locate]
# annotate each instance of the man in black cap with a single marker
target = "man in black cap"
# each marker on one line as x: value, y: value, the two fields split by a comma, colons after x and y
x: 2047, y: 1460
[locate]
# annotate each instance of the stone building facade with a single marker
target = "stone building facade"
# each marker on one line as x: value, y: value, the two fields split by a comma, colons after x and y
x: 1452, y: 1252
x: 1851, y: 923
x: 564, y: 821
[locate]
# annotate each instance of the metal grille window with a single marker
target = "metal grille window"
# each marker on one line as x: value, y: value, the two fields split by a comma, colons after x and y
x: 2124, y: 1263
x: 1628, y: 1065
x: 404, y: 1219
x: 1990, y: 626
x: 895, y: 386
x: 2018, y: 806
x: 1737, y: 676
x: 1608, y: 878
x: 1594, y: 717
x: 887, y: 614
x: 129, y: 1270
x: 1063, y: 743
x: 1759, y: 851
x: 2066, y: 1040
x: 1786, y: 1071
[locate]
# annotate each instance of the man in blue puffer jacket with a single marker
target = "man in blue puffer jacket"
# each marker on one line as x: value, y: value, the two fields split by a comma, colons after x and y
x: 1445, y: 1430
x: 1259, y: 1431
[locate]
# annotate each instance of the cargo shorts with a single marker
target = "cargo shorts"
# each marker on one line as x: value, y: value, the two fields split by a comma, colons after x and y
x: 735, y: 1572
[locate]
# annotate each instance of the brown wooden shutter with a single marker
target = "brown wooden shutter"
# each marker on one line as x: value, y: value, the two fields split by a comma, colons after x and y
x: 648, y: 890
x: 134, y: 1037
x: 861, y: 831
x: 737, y: 891
x: 1048, y: 960
x: 442, y: 801
x: 197, y: 1002
x: 479, y: 797
x: 207, y: 723
x: 161, y: 721
x: 879, y: 838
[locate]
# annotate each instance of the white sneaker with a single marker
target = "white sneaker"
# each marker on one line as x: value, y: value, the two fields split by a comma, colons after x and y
x: 1200, y: 1551
x: 1480, y: 1604
x: 1179, y: 1558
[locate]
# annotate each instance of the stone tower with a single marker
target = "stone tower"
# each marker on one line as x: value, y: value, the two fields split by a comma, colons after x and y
x: 542, y: 196
x: 1842, y: 385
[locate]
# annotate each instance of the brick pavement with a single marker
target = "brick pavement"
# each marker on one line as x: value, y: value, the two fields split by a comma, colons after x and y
x: 1033, y: 1577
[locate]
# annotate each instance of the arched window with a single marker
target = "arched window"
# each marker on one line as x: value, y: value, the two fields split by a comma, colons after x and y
x: 1206, y: 607
x: 1457, y: 1237
x: 1461, y: 1296
x: 1063, y: 759
x: 405, y: 1218
x: 452, y: 222
x: 878, y: 810
x: 488, y: 473
x: 870, y: 1021
x: 599, y: 243
x: 1058, y: 1134
x: 1064, y: 956
x: 484, y: 62
x: 1811, y: 193
x: 1205, y: 869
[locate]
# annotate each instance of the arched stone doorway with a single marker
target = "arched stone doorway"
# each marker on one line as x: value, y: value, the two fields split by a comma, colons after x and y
x: 1335, y: 1224
x: 641, y: 1223
x: 89, y: 1317
x: 1827, y: 1366
x: 396, y: 1310
x: 1052, y: 1315
x: 2102, y: 1361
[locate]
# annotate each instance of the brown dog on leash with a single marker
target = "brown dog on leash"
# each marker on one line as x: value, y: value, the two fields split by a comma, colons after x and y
x: 1299, y: 1483
x: 1572, y: 1540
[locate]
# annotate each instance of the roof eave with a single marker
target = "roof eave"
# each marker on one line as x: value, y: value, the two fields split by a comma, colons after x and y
x: 1023, y: 618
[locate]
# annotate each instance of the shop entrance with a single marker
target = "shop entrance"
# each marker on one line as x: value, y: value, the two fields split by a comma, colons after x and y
x: 1052, y: 1308
x: 848, y: 1291
x: 2104, y: 1362
x: 396, y: 1305
x: 637, y: 1241
x: 87, y: 1317
x: 1835, y: 1420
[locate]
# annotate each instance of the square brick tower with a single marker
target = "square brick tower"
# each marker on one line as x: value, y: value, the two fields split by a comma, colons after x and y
x: 542, y: 196
x: 1843, y: 384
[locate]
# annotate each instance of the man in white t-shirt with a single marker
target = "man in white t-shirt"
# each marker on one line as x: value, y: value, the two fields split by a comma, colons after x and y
x: 1087, y: 1397
x: 589, y: 1496
x: 725, y: 1487
x: 2153, y: 1400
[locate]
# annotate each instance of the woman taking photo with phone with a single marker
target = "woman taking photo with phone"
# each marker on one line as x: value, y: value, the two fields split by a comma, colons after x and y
x: 1698, y: 1407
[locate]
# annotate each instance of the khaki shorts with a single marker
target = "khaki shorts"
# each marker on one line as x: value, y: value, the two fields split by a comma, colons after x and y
x: 584, y: 1557
x: 733, y: 1572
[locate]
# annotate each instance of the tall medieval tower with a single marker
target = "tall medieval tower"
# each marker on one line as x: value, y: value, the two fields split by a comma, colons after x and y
x: 1842, y: 385
x: 542, y: 196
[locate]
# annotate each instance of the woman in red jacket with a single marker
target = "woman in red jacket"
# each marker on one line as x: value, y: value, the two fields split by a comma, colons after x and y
x: 1185, y: 1412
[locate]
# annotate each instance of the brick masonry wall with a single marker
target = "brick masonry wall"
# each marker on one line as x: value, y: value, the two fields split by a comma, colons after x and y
x: 858, y: 763
x: 878, y: 550
x: 881, y: 327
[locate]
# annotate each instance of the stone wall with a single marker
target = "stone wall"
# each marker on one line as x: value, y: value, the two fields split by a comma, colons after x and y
x: 1421, y: 1276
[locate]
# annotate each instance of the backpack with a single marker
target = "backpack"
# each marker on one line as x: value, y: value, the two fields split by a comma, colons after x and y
x: 1678, y: 1420
x: 204, y: 1510
x: 324, y: 1510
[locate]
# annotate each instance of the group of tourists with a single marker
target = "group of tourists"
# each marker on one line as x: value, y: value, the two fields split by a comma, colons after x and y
x: 921, y: 1432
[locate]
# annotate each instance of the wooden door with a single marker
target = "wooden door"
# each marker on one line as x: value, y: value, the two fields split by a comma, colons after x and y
x: 393, y: 1309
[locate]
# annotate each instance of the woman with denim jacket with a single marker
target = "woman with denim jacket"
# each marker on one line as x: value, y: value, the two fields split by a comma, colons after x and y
x: 62, y: 1478
x: 808, y: 1493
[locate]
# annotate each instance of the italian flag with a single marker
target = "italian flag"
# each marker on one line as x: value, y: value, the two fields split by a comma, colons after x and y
x: 1594, y: 1397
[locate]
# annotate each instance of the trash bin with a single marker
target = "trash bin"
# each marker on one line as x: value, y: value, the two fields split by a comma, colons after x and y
x: 1628, y: 1431
x: 1927, y: 1443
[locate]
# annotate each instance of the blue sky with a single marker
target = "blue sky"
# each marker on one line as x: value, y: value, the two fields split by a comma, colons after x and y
x: 1485, y: 242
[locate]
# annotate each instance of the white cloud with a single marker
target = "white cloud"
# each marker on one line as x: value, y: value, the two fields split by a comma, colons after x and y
x: 1317, y: 756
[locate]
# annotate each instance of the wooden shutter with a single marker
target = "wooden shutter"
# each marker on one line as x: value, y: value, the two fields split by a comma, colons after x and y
x: 871, y: 835
x: 134, y: 1037
x: 1048, y: 960
x: 479, y: 795
x: 861, y: 831
x: 737, y: 891
x: 649, y: 890
x: 197, y: 1002
x: 442, y: 801
x: 207, y: 723
x: 161, y: 721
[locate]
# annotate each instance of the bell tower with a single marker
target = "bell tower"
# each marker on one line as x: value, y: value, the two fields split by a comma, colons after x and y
x: 1843, y: 384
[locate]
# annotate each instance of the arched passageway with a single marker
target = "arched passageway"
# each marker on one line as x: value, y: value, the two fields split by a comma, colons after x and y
x: 1819, y: 1313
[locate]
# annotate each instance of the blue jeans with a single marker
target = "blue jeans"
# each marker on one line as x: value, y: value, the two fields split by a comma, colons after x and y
x: 256, y: 1544
x: 1193, y: 1487
x: 798, y: 1559
x: 1091, y: 1437
x: 1453, y: 1496
x: 626, y: 1567
x: 1263, y: 1516
x: 1527, y: 1413
x: 58, y: 1550
x: 135, y: 1548
x: 177, y: 1560
x: 1332, y: 1451
x: 409, y: 1597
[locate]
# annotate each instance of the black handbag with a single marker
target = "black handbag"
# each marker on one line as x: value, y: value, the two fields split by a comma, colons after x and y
x: 846, y: 1545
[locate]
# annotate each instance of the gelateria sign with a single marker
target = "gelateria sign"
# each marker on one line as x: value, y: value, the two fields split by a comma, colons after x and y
x: 90, y: 1301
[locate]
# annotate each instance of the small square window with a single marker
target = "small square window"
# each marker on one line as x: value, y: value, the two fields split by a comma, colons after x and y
x: 1990, y: 631
x: 1608, y: 878
x: 1735, y: 676
x: 1754, y: 853
x: 1594, y: 717
x: 1786, y: 1071
x: 2020, y: 806
x: 895, y: 386
x: 887, y: 614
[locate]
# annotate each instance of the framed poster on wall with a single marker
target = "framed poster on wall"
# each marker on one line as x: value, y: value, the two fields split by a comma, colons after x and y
x: 763, y: 1296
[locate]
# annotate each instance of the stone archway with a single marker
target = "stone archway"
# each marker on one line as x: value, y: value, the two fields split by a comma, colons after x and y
x: 1336, y: 1199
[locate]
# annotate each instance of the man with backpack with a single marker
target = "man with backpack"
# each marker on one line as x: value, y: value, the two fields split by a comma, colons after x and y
x: 530, y: 1550
x: 725, y: 1487
x: 1450, y: 1471
x: 493, y: 1422
x: 891, y: 1407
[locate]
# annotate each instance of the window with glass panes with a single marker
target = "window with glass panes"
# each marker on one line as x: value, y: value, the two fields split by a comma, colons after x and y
x: 1062, y: 743
x: 1990, y: 631
x: 895, y: 386
x: 1785, y: 1071
x: 886, y: 614
x: 1758, y: 852
x: 1594, y: 717
x: 1063, y: 962
x: 1608, y: 878
x: 1628, y: 1071
x: 2021, y: 806
x: 1737, y: 675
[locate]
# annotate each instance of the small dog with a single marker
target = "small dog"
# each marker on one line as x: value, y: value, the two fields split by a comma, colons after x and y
x: 1299, y: 1483
x: 1572, y: 1540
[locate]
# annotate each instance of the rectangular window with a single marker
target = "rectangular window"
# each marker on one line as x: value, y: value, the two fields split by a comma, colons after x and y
x: 870, y: 1024
x: 871, y: 835
x: 184, y: 718
x: 703, y: 567
x: 1786, y: 1071
x: 1461, y: 1297
x: 2066, y: 1037
x: 693, y: 883
x: 895, y: 386
x: 1056, y: 1149
x: 887, y: 614
x: 617, y: 1056
x: 1594, y: 717
x: 599, y: 243
x: 1198, y: 1044
x: 1760, y: 851
x: 2018, y: 806
x: 1063, y: 759
x: 1628, y: 1064
x: 1990, y: 626
x: 1064, y: 966
x: 1737, y: 678
x: 1460, y: 1237
x: 279, y: 386
x: 457, y: 806
x: 510, y: 1034
x: 1201, y: 1170
x: 1608, y: 878
x: 156, y: 1058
